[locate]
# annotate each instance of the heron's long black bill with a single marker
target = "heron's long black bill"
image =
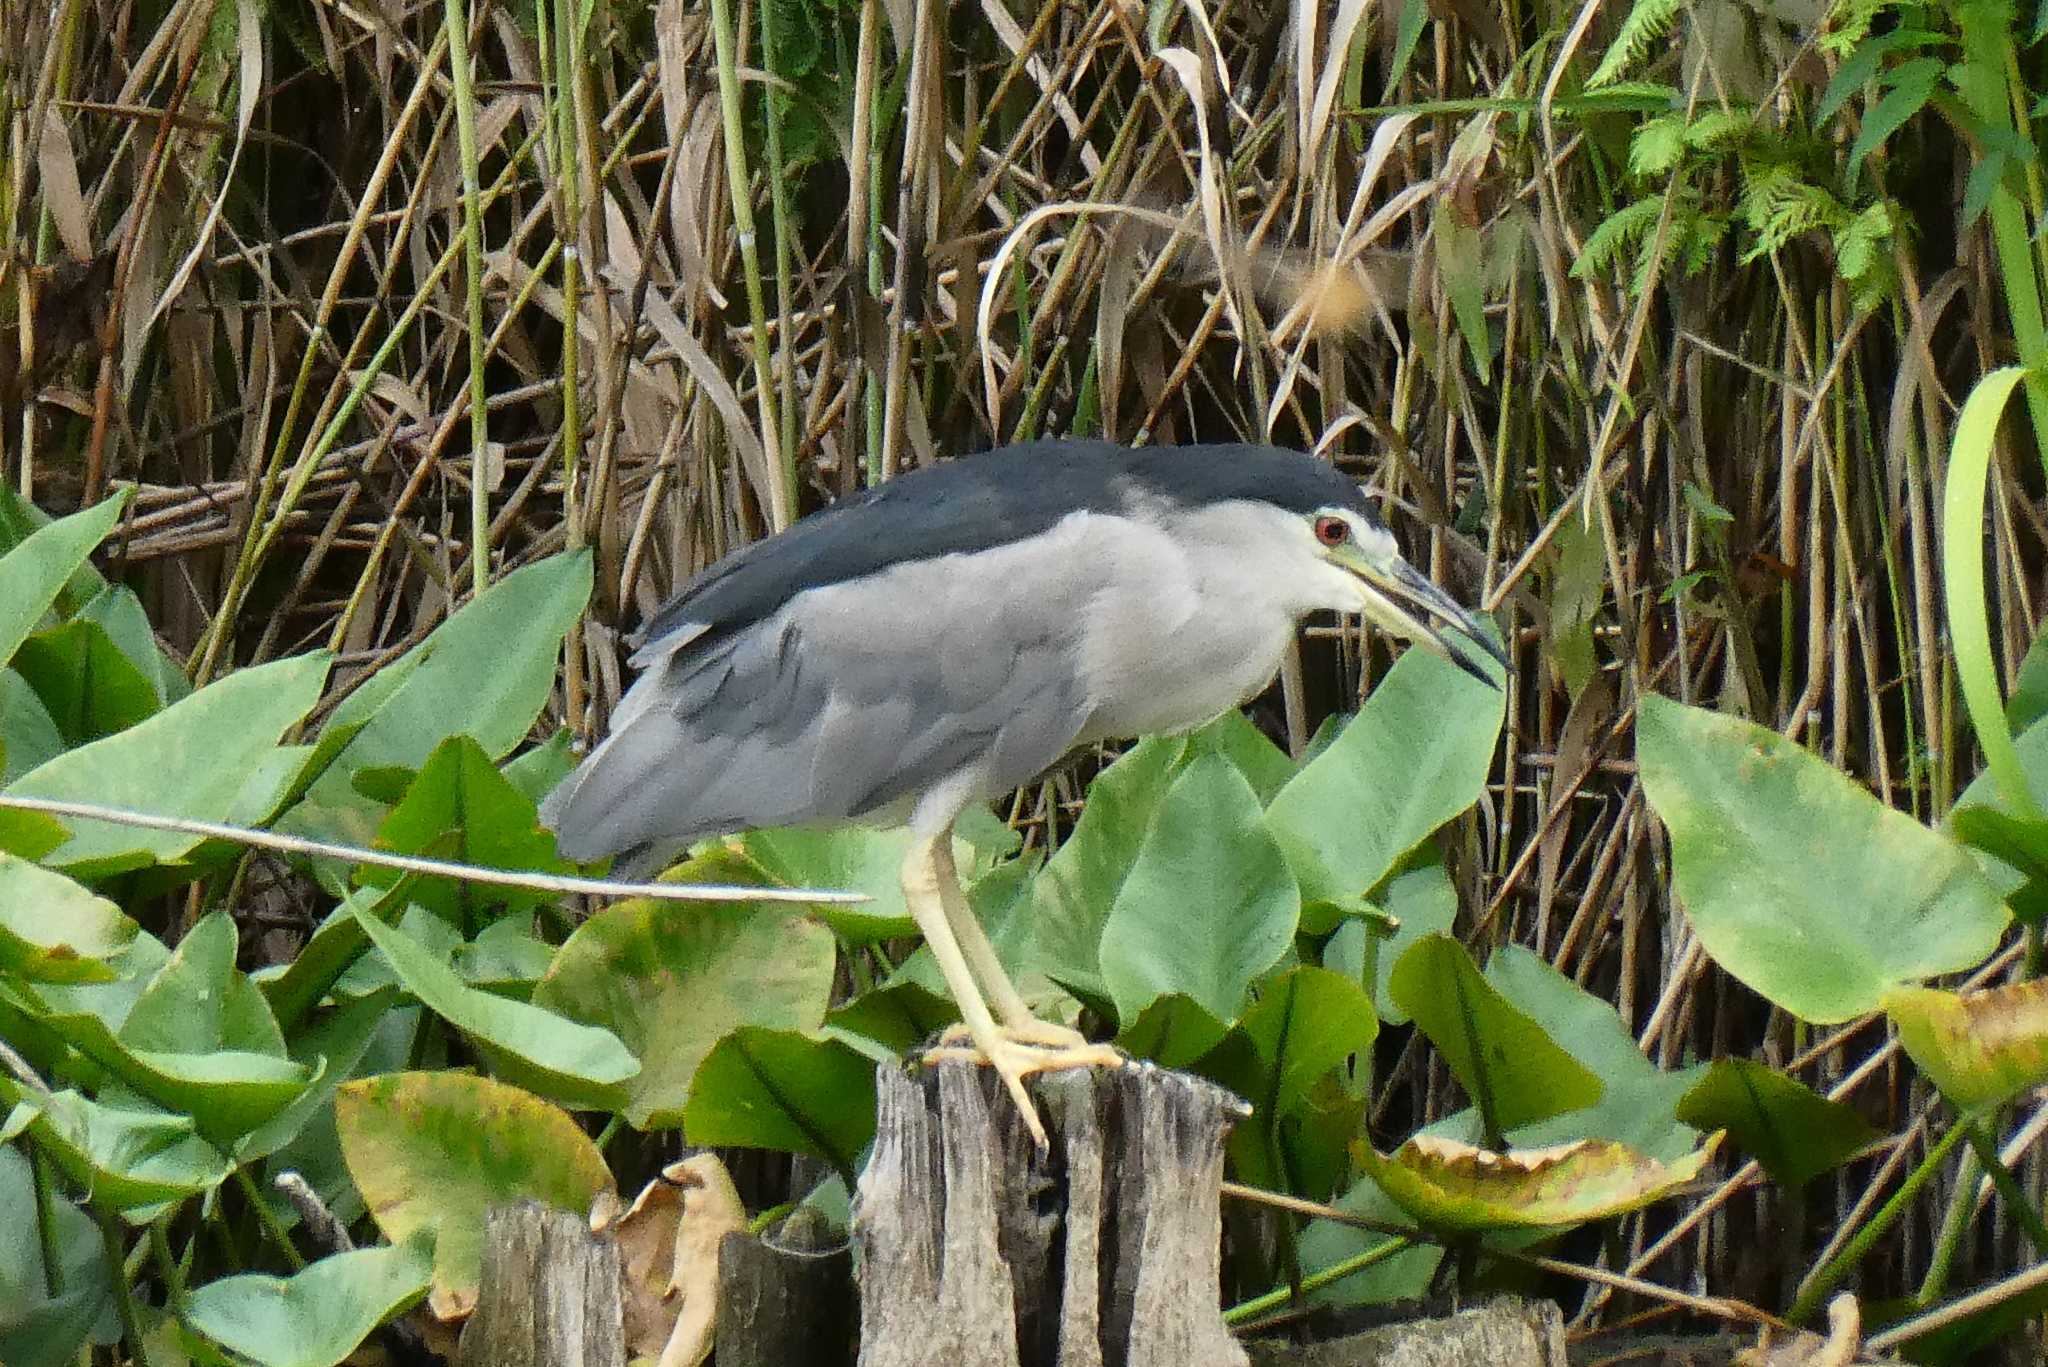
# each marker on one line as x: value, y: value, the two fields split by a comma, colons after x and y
x: 1417, y: 592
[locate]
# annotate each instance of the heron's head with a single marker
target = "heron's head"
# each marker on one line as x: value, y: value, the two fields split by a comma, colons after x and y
x: 1359, y: 568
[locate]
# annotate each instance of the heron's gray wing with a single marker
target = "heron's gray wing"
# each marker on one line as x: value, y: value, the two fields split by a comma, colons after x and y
x: 850, y: 698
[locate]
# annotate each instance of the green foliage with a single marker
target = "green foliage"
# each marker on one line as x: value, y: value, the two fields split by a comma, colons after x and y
x: 1797, y: 880
x: 318, y: 1316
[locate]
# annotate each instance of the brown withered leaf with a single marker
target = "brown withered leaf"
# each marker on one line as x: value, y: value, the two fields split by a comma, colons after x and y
x: 1979, y: 1047
x: 668, y: 1258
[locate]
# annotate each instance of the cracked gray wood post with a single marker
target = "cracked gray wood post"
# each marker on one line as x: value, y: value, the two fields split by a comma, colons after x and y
x: 786, y: 1298
x: 1502, y: 1333
x: 549, y: 1295
x: 978, y: 1252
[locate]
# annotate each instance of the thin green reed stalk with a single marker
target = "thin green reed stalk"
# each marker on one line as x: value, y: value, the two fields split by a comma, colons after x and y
x: 455, y: 19
x: 562, y: 54
x: 740, y: 183
x: 778, y: 200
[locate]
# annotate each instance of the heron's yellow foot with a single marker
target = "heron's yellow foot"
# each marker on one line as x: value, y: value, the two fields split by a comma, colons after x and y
x: 1037, y: 1033
x: 1016, y: 1053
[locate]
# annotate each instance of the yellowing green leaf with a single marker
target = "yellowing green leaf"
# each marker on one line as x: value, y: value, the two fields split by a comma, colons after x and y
x: 1447, y: 1185
x: 437, y: 1150
x: 1979, y: 1048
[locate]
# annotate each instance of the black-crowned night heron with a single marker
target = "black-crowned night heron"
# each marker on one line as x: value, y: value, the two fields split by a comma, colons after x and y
x: 948, y: 636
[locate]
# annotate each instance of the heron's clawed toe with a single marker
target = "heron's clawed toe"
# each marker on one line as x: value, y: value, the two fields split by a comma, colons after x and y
x: 1016, y: 1052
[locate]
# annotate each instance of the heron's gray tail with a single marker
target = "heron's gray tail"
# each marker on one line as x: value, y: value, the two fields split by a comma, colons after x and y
x: 611, y: 804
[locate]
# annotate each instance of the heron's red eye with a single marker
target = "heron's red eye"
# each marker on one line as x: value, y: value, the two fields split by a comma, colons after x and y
x: 1332, y: 531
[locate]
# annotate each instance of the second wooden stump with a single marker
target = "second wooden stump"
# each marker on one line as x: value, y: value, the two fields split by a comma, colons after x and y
x: 977, y: 1251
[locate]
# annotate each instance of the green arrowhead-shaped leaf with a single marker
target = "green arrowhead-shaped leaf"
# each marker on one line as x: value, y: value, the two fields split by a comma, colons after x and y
x: 37, y: 570
x: 485, y: 672
x: 190, y: 760
x: 1174, y: 1031
x: 1447, y: 1185
x: 1238, y: 739
x: 199, y: 1001
x: 1800, y: 883
x: 582, y: 1064
x: 227, y: 1093
x: 1638, y: 1101
x: 29, y: 737
x: 1305, y: 1024
x: 1796, y: 1133
x: 317, y: 1316
x: 37, y: 1327
x: 857, y: 859
x: 1415, y: 756
x: 892, y: 1021
x: 1072, y: 895
x: 1515, y: 1073
x: 460, y: 807
x: 781, y: 1089
x: 434, y: 1151
x: 672, y: 980
x: 337, y: 943
x: 52, y: 930
x: 1207, y: 906
x: 88, y: 684
x: 1979, y: 1048
x: 125, y: 1157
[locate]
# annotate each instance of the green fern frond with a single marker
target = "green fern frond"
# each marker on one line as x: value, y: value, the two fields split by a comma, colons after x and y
x: 1657, y: 145
x: 1615, y: 234
x: 1777, y: 205
x: 1848, y: 24
x: 1719, y: 128
x: 1647, y: 21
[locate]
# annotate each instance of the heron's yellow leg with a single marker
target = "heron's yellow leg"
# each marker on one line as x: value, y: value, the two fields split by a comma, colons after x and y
x: 924, y: 891
x: 981, y: 955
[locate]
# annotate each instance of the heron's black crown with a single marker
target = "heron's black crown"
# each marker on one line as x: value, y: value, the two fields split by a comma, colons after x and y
x: 992, y: 499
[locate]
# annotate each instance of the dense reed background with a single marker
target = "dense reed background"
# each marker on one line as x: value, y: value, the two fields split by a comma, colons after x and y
x: 1649, y: 325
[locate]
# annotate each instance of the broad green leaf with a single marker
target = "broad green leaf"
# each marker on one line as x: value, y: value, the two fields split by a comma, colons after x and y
x: 671, y: 980
x: 199, y: 1001
x: 333, y: 1047
x: 1174, y: 1031
x: 1071, y: 897
x: 120, y: 613
x: 1208, y: 904
x: 2018, y: 842
x: 437, y: 1150
x: 536, y: 771
x: 1413, y: 758
x: 1515, y: 1073
x: 1638, y: 1101
x: 1283, y: 1058
x: 337, y: 943
x: 1404, y: 1277
x: 1799, y: 882
x: 37, y: 570
x: 126, y: 1157
x: 317, y: 1316
x: 190, y: 760
x: 29, y: 736
x: 53, y: 930
x: 856, y: 858
x: 485, y: 672
x: 1980, y: 1048
x: 1447, y: 1185
x: 36, y: 1327
x: 86, y: 683
x: 506, y: 957
x: 1794, y: 1132
x: 2029, y: 701
x: 895, y: 1020
x: 135, y: 965
x: 227, y: 1092
x: 1303, y: 1026
x: 781, y: 1089
x: 460, y: 807
x: 1235, y: 737
x: 1420, y: 899
x: 581, y: 1064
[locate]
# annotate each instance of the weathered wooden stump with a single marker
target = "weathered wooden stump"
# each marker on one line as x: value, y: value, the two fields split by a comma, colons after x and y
x: 549, y: 1295
x: 977, y: 1251
x: 1504, y: 1333
x: 786, y: 1298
